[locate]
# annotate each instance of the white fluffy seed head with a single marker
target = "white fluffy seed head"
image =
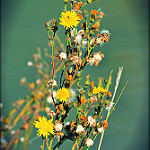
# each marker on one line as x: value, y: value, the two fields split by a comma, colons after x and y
x: 91, y: 120
x: 30, y: 63
x: 97, y: 56
x: 100, y: 130
x: 110, y: 106
x: 58, y: 127
x: 78, y: 38
x: 63, y: 56
x: 72, y: 95
x: 22, y: 139
x: 89, y: 142
x: 79, y: 129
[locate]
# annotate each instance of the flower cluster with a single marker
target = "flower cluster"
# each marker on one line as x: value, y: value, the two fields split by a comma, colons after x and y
x: 53, y: 95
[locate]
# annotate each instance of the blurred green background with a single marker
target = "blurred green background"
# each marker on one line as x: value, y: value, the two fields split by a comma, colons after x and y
x: 23, y: 30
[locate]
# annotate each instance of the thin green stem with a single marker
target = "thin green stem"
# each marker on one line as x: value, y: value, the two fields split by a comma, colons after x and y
x: 53, y: 64
x: 84, y: 4
x: 117, y: 101
x: 87, y: 106
x: 43, y: 145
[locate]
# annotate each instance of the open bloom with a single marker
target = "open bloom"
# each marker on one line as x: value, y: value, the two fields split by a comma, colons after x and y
x: 63, y: 94
x: 46, y: 127
x: 69, y: 19
x: 99, y: 90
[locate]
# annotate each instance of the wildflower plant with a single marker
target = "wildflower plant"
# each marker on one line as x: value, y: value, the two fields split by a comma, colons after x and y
x: 57, y: 97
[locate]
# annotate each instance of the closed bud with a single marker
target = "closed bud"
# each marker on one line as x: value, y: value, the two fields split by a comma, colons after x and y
x: 100, y: 82
x: 47, y: 25
x: 55, y: 26
x: 90, y: 1
x: 87, y: 81
x: 65, y: 1
x: 107, y: 101
x: 99, y: 124
x: 92, y: 18
x: 89, y: 93
x: 85, y: 13
x: 79, y: 76
x: 92, y: 31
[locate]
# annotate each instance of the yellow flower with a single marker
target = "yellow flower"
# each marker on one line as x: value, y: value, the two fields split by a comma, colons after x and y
x: 63, y: 94
x: 45, y: 127
x: 69, y: 19
x: 99, y: 90
x: 95, y: 90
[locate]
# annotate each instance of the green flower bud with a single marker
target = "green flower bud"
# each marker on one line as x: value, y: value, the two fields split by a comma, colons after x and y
x: 100, y: 82
x: 75, y: 104
x: 79, y: 108
x: 90, y: 1
x: 79, y: 76
x: 107, y: 101
x: 65, y: 1
x: 87, y: 81
x: 63, y: 112
x: 85, y: 13
x: 89, y: 93
x: 99, y: 124
x: 92, y: 18
x: 92, y: 31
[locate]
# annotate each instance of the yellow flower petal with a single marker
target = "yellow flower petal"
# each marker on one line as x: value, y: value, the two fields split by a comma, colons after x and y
x: 45, y: 127
x: 63, y: 94
x: 69, y: 19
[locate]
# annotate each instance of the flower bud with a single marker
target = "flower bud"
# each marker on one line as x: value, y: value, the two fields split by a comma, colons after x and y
x: 65, y: 1
x: 89, y: 93
x: 85, y: 13
x: 90, y: 1
x: 92, y: 31
x: 107, y: 101
x: 47, y: 25
x: 100, y: 82
x: 92, y: 18
x: 55, y: 26
x: 87, y: 81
